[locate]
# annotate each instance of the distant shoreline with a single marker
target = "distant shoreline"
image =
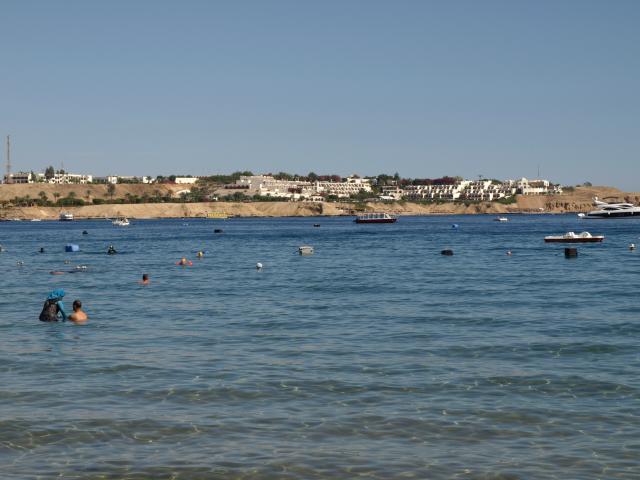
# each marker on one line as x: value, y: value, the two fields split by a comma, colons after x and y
x: 578, y: 200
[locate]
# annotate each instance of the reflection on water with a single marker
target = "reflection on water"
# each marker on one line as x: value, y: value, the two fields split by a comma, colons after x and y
x: 375, y: 357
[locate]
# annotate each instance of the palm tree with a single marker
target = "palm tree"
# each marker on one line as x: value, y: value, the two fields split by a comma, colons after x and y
x: 56, y: 195
x: 111, y: 190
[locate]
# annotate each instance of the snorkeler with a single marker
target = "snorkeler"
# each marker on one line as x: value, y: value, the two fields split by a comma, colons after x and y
x: 111, y: 250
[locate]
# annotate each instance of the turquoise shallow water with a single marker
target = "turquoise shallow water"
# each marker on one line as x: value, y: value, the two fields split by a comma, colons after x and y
x: 375, y: 357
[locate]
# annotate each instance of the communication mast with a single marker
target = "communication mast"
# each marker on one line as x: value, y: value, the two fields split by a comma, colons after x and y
x: 8, y: 179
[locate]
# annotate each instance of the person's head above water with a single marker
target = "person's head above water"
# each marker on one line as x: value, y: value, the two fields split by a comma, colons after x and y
x: 77, y: 305
x: 145, y: 277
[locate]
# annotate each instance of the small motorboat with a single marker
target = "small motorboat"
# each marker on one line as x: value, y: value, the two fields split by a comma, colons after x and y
x: 121, y: 222
x: 582, y: 215
x: 571, y: 237
x: 66, y: 217
x: 376, y: 218
x: 501, y: 219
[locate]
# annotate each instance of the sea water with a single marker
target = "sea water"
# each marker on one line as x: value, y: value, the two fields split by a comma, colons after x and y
x: 375, y: 357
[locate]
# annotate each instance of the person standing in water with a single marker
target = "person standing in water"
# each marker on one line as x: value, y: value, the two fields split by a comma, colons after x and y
x: 53, y: 307
x: 78, y: 316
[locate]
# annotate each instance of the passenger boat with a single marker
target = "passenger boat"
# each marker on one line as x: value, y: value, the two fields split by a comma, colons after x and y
x: 66, y: 217
x: 613, y: 210
x: 571, y: 237
x: 120, y: 222
x: 376, y: 218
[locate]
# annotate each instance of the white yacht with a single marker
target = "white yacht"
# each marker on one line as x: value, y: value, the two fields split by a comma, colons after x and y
x: 66, y: 217
x: 613, y: 210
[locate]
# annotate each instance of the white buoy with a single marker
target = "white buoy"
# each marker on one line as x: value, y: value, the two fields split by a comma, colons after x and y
x: 258, y: 266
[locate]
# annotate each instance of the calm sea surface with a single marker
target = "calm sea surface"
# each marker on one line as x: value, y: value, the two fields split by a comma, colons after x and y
x: 376, y: 357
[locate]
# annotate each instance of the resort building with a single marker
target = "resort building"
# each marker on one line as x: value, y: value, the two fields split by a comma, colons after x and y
x: 20, y: 177
x: 480, y: 190
x: 68, y: 178
x: 268, y: 186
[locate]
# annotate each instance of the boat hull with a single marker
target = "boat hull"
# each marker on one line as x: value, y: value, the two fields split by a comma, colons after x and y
x: 601, y: 215
x: 574, y: 240
x: 377, y: 220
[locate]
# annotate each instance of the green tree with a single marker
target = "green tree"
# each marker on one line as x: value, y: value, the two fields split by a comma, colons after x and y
x: 49, y: 172
x: 56, y: 195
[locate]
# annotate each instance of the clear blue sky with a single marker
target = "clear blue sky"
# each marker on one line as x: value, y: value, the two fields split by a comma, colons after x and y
x: 424, y: 88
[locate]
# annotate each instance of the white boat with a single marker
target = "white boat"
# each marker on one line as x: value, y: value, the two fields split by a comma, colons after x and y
x: 571, y: 237
x: 501, y: 219
x: 66, y: 217
x: 121, y: 222
x: 376, y: 218
x: 36, y: 220
x: 613, y: 210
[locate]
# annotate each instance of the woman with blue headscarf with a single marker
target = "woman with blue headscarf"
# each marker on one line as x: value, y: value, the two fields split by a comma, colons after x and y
x: 53, y: 306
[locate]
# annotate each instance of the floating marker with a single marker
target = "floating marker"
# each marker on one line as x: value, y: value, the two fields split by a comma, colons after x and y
x: 305, y: 250
x: 448, y: 252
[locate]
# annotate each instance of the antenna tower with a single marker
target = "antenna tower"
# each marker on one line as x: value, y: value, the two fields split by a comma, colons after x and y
x: 8, y: 179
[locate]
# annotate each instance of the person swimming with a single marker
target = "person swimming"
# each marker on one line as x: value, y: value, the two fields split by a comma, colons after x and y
x: 183, y: 262
x: 111, y: 250
x: 145, y: 279
x: 53, y: 306
x: 78, y: 316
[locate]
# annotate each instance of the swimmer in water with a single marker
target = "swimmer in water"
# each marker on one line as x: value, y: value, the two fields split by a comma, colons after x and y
x: 145, y: 279
x: 53, y: 307
x: 78, y: 316
x: 183, y: 261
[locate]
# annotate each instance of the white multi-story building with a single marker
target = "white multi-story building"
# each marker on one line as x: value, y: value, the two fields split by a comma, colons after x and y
x: 20, y: 177
x: 68, y: 178
x: 534, y: 187
x: 352, y: 186
x: 186, y: 180
x: 267, y: 186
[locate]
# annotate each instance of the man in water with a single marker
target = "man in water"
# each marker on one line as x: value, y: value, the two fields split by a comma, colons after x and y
x: 78, y: 316
x: 145, y: 279
x: 53, y: 306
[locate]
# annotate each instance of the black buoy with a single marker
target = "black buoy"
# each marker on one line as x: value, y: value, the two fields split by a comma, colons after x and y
x: 217, y: 230
x: 41, y: 249
x: 571, y: 252
x: 84, y: 232
x: 448, y: 252
x: 316, y: 224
